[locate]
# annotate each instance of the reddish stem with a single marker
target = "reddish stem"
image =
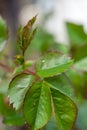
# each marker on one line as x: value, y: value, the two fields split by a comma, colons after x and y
x: 5, y: 67
x: 30, y: 72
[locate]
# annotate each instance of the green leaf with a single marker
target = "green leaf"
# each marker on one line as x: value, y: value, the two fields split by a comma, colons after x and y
x: 28, y: 33
x: 23, y: 67
x: 18, y: 70
x: 3, y: 33
x: 15, y: 119
x: 19, y: 36
x: 32, y: 35
x: 81, y: 123
x: 52, y: 64
x: 62, y: 83
x: 28, y: 63
x: 51, y: 125
x: 2, y: 106
x: 62, y: 48
x: 76, y: 34
x: 79, y: 52
x: 81, y: 65
x: 18, y: 88
x: 64, y: 108
x: 10, y: 116
x: 37, y: 105
x: 45, y: 42
x: 77, y: 78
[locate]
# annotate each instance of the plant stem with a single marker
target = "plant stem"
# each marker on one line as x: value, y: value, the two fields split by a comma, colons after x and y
x: 30, y: 72
x: 5, y: 67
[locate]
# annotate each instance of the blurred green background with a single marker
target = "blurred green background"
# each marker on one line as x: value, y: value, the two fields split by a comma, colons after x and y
x: 70, y: 40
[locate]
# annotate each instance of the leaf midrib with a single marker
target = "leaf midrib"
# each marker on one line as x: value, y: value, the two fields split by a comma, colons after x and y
x: 55, y: 112
x: 37, y: 109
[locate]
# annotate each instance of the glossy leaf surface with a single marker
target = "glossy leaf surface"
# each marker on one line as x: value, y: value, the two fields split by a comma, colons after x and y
x: 64, y: 108
x: 18, y: 88
x: 52, y: 64
x: 62, y: 83
x: 37, y: 105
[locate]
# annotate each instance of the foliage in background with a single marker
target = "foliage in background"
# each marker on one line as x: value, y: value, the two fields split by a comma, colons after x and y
x: 43, y: 89
x: 78, y: 75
